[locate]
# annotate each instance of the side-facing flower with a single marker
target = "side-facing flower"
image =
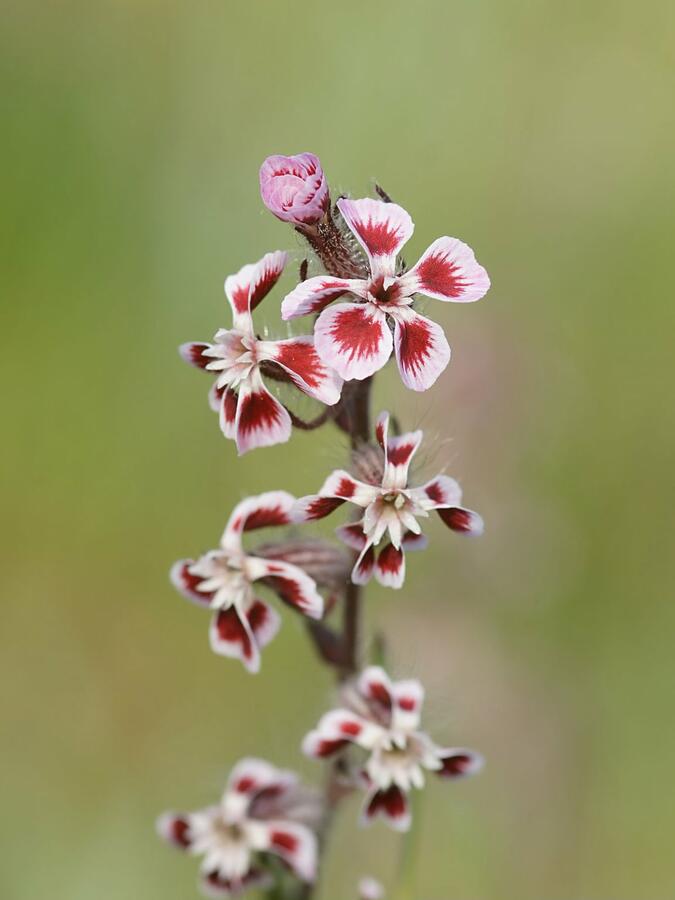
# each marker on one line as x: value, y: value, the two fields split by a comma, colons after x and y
x: 354, y: 337
x: 294, y: 188
x: 223, y: 580
x: 264, y: 812
x: 248, y: 412
x: 390, y: 507
x: 382, y: 717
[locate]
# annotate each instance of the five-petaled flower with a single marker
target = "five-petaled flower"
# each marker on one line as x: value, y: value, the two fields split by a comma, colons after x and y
x: 223, y: 580
x: 382, y: 717
x: 354, y: 337
x: 264, y: 812
x: 248, y: 412
x: 389, y: 507
x: 294, y: 188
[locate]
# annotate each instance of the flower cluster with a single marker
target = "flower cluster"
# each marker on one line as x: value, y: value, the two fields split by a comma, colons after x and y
x: 375, y: 734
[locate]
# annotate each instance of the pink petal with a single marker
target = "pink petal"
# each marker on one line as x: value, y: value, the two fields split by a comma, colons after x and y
x: 422, y: 351
x: 365, y: 564
x: 294, y: 587
x: 390, y: 567
x: 462, y: 520
x: 271, y: 509
x: 231, y: 636
x: 264, y: 622
x: 448, y: 271
x: 237, y: 290
x: 352, y: 536
x: 381, y: 228
x: 299, y: 358
x: 375, y: 686
x: 392, y: 805
x: 294, y: 188
x: 459, y: 762
x: 174, y: 828
x: 188, y: 584
x: 354, y: 339
x: 193, y: 353
x: 296, y: 845
x: 267, y: 272
x: 312, y: 295
x: 261, y: 420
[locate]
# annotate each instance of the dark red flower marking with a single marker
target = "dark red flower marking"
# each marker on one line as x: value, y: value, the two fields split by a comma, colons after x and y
x: 392, y: 801
x: 456, y: 765
x: 457, y: 518
x: 380, y: 238
x: 266, y: 516
x: 194, y: 354
x: 409, y: 704
x: 282, y: 840
x: 345, y: 489
x: 434, y: 492
x: 258, y: 616
x: 258, y: 410
x: 322, y: 507
x: 189, y: 583
x: 178, y: 832
x: 390, y: 559
x: 399, y: 454
x: 289, y: 590
x: 367, y: 562
x: 352, y: 729
x: 355, y: 334
x: 230, y: 404
x: 230, y: 630
x: 268, y: 278
x: 438, y: 275
x: 328, y: 748
x: 379, y: 692
x: 416, y: 343
x: 302, y: 359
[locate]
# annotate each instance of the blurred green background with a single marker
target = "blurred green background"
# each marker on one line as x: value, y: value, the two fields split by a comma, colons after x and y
x: 543, y: 135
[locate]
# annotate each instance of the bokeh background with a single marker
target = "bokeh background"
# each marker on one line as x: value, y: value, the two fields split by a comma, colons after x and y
x: 542, y: 134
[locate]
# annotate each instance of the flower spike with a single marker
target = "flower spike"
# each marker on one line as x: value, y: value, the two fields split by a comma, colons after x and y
x: 223, y: 580
x: 382, y: 718
x: 354, y: 337
x: 390, y: 508
x: 264, y: 811
x: 248, y: 412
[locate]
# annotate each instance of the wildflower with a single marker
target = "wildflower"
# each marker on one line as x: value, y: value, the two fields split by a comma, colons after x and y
x: 248, y: 412
x: 382, y: 717
x: 354, y: 338
x: 223, y: 580
x: 294, y: 188
x: 389, y: 507
x: 263, y: 812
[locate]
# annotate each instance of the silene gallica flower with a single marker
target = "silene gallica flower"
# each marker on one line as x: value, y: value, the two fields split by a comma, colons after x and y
x: 264, y: 812
x: 382, y: 718
x: 294, y: 188
x: 390, y: 507
x: 354, y: 337
x: 224, y: 581
x: 237, y: 357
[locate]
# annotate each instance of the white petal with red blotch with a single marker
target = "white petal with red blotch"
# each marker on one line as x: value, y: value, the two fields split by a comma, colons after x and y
x: 271, y: 509
x: 188, y: 584
x: 392, y: 804
x: 230, y: 635
x: 174, y: 828
x: 381, y: 228
x: 440, y: 492
x: 193, y: 353
x: 312, y: 295
x: 338, y: 728
x: 299, y: 358
x: 408, y: 698
x: 261, y: 420
x: 352, y: 535
x: 364, y: 566
x: 250, y: 284
x: 390, y: 566
x: 296, y: 844
x: 448, y: 270
x: 400, y: 451
x: 354, y: 339
x: 293, y: 585
x: 375, y: 685
x: 250, y: 776
x: 227, y: 412
x: 422, y: 351
x: 336, y: 489
x: 382, y: 431
x: 458, y: 762
x: 464, y: 521
x: 414, y: 541
x: 264, y: 622
x: 213, y: 884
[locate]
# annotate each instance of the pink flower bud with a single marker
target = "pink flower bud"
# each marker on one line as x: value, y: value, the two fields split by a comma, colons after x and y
x: 294, y: 188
